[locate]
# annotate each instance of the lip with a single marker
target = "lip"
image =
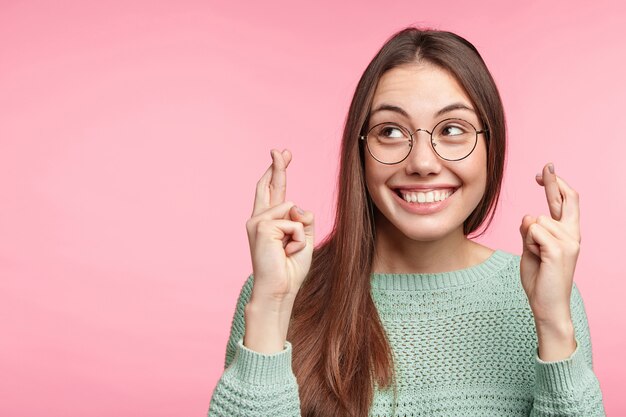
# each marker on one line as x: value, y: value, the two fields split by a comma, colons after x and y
x: 424, y: 208
x: 424, y: 187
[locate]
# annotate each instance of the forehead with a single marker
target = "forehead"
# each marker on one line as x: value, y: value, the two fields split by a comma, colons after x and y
x: 420, y: 89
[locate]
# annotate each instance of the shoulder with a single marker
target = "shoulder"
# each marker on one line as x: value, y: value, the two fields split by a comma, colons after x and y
x: 246, y: 289
x: 244, y: 294
x: 506, y: 264
x: 503, y: 278
x: 495, y: 261
x: 244, y: 297
x: 510, y: 256
x: 238, y: 322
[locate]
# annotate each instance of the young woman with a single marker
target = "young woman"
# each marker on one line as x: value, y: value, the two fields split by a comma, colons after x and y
x: 398, y: 312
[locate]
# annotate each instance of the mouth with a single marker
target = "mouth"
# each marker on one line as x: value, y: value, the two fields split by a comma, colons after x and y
x: 425, y: 196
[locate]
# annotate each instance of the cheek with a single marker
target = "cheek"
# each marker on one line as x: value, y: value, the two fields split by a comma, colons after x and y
x: 376, y: 176
x: 478, y: 170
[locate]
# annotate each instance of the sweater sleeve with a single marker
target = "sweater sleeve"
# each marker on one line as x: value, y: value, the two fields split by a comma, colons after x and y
x: 254, y: 384
x: 569, y: 387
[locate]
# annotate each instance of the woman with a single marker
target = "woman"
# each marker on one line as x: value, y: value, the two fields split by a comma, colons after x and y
x: 400, y: 312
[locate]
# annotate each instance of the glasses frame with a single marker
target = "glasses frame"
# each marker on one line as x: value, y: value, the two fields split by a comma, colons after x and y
x: 412, y: 140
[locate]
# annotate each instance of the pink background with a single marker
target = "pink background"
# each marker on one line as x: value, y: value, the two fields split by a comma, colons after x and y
x: 132, y: 134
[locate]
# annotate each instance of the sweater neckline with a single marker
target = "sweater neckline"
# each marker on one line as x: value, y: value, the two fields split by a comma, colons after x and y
x: 431, y: 281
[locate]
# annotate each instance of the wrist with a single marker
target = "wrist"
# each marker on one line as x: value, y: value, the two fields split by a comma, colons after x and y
x: 263, y: 310
x: 556, y: 340
x: 555, y: 328
x: 267, y: 304
x: 266, y: 326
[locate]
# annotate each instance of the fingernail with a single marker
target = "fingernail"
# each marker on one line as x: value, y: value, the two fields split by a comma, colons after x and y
x: 299, y: 210
x: 538, y: 175
x: 551, y: 168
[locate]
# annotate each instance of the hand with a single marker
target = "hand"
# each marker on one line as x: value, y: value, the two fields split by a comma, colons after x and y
x: 281, y: 246
x: 550, y: 250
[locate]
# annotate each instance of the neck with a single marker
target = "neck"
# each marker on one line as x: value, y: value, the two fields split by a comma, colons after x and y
x: 397, y: 253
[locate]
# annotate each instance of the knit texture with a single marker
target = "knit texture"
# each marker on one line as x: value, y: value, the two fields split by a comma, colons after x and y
x: 464, y: 344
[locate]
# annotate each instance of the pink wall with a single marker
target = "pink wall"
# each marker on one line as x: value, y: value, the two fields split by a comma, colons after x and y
x: 132, y: 135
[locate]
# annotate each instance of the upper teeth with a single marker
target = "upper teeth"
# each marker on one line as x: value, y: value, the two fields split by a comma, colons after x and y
x: 425, y: 197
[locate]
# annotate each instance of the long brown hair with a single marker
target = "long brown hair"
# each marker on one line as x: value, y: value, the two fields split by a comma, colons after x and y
x: 340, y: 349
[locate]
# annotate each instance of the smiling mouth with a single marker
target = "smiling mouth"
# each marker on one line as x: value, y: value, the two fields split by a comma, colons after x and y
x: 422, y: 197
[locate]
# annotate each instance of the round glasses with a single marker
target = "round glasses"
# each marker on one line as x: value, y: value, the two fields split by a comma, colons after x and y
x: 451, y: 139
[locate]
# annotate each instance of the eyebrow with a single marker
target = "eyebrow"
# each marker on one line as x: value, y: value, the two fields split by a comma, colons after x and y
x: 400, y: 110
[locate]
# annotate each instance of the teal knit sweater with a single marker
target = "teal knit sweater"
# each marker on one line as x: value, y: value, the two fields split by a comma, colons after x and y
x: 464, y: 344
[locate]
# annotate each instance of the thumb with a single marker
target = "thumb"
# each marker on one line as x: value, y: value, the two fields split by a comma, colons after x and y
x: 527, y: 220
x: 306, y: 218
x: 528, y: 243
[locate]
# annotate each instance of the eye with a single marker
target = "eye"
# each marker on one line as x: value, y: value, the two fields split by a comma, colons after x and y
x: 452, y: 130
x: 390, y: 131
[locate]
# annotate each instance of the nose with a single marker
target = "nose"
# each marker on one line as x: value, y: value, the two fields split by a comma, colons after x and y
x: 422, y: 160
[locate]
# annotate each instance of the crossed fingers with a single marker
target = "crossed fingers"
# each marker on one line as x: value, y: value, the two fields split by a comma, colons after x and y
x: 563, y: 202
x: 272, y: 186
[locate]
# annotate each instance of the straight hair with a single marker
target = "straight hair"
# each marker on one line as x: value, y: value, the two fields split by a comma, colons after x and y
x: 340, y: 349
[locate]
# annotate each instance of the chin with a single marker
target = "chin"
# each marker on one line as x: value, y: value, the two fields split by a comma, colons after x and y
x: 424, y: 235
x: 422, y: 231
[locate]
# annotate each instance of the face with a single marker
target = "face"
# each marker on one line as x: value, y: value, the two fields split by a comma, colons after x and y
x: 422, y: 91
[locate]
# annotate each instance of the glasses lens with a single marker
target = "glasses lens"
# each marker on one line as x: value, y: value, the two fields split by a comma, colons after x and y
x: 389, y: 143
x: 454, y: 139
